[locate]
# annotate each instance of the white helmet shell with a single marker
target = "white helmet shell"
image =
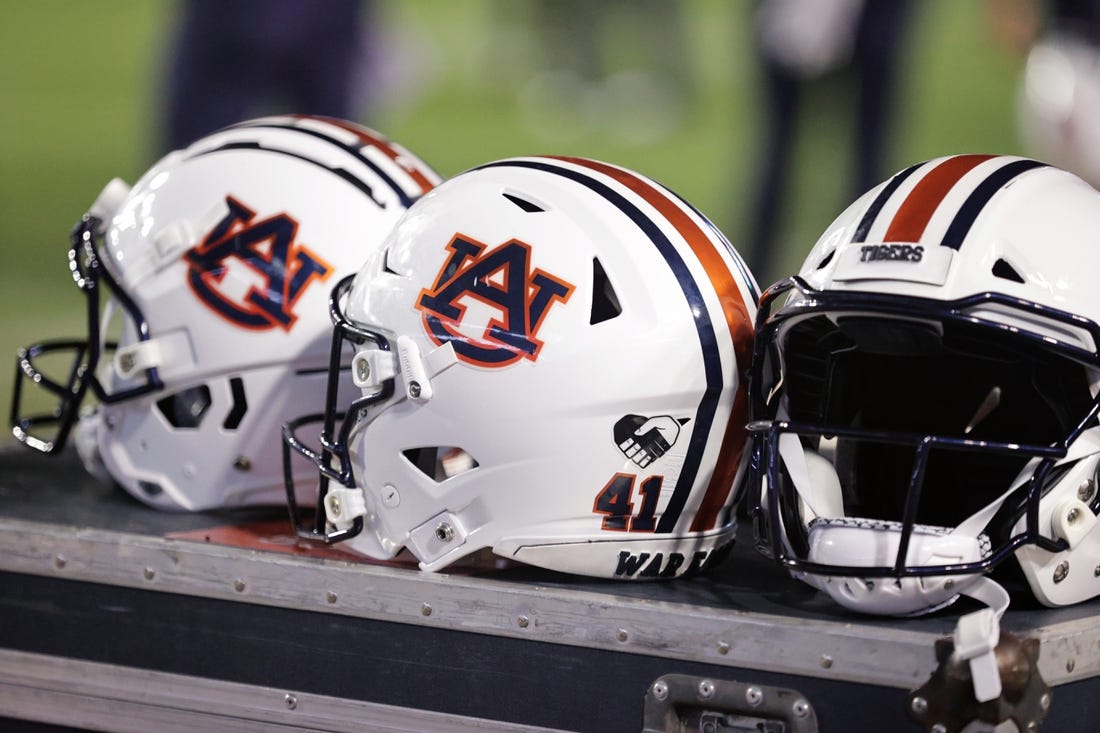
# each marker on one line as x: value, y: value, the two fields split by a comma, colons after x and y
x: 571, y: 337
x: 220, y: 261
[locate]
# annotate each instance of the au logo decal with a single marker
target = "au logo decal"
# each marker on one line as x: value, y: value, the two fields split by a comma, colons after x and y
x: 501, y: 278
x: 266, y: 247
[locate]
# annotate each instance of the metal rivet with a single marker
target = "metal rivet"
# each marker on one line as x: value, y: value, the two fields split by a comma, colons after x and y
x: 801, y: 708
x: 59, y: 561
x: 918, y: 705
x: 149, y: 573
x: 948, y: 584
x: 291, y: 701
x: 331, y: 596
x: 754, y: 696
x: 1032, y: 726
x: 238, y: 585
x: 1085, y: 490
x: 1073, y: 515
x: 1044, y: 702
x: 444, y: 532
x: 660, y: 690
x: 706, y: 689
x: 332, y: 506
x: 939, y: 728
x: 523, y: 622
x: 723, y: 648
x: 242, y: 463
x: 621, y: 635
x: 1061, y: 571
x: 426, y: 609
x: 414, y: 389
x: 1096, y: 572
x: 362, y: 369
x: 826, y: 661
x: 1070, y: 664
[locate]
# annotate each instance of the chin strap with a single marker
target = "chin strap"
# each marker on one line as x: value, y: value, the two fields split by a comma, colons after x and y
x: 976, y: 636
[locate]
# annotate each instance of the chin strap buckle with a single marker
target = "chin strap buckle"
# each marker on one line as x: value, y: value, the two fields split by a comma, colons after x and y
x: 976, y: 636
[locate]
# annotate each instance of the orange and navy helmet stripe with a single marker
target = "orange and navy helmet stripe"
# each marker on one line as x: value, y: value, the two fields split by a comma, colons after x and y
x: 738, y: 324
x: 910, y: 220
x: 387, y: 148
x: 423, y: 178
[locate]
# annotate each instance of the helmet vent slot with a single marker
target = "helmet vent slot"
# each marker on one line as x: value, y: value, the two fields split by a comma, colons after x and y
x: 386, y: 263
x: 529, y: 206
x: 150, y: 488
x: 605, y: 301
x: 440, y: 463
x: 185, y: 409
x: 240, y: 405
x: 1002, y: 269
x: 826, y: 260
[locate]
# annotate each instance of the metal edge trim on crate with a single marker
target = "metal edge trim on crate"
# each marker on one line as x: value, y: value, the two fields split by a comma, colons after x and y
x: 73, y: 692
x: 891, y: 656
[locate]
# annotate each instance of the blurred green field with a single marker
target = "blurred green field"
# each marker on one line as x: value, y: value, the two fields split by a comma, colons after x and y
x: 81, y: 84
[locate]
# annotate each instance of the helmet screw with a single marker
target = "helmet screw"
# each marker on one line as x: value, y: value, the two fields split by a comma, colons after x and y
x: 390, y: 496
x: 333, y: 506
x: 660, y: 690
x: 948, y: 584
x: 801, y: 708
x: 918, y: 705
x: 362, y: 370
x: 242, y: 463
x: 1096, y: 572
x: 1086, y: 490
x: 445, y: 532
x: 754, y: 696
x: 706, y: 689
x: 1061, y: 571
x: 1073, y: 515
x: 939, y: 728
x: 414, y: 389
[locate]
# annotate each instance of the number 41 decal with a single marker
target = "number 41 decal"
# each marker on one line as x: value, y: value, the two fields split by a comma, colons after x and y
x: 614, y: 501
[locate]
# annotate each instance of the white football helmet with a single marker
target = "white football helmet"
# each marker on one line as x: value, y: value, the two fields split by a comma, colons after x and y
x: 550, y: 353
x: 925, y: 391
x: 207, y: 286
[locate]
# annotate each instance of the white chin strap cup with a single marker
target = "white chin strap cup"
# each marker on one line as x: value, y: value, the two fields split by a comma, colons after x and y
x: 855, y: 542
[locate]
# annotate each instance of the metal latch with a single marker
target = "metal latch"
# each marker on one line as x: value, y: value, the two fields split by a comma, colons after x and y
x: 946, y: 703
x: 679, y: 703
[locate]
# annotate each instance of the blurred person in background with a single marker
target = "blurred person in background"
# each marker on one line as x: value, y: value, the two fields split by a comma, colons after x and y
x: 238, y: 59
x: 1058, y: 103
x: 610, y: 65
x: 800, y: 43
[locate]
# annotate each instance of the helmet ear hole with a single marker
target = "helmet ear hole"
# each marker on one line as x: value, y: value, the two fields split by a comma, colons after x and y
x: 440, y: 463
x: 605, y: 301
x: 185, y: 409
x: 1004, y: 270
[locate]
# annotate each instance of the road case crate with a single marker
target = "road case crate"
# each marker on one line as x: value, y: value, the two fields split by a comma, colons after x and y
x: 114, y: 616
